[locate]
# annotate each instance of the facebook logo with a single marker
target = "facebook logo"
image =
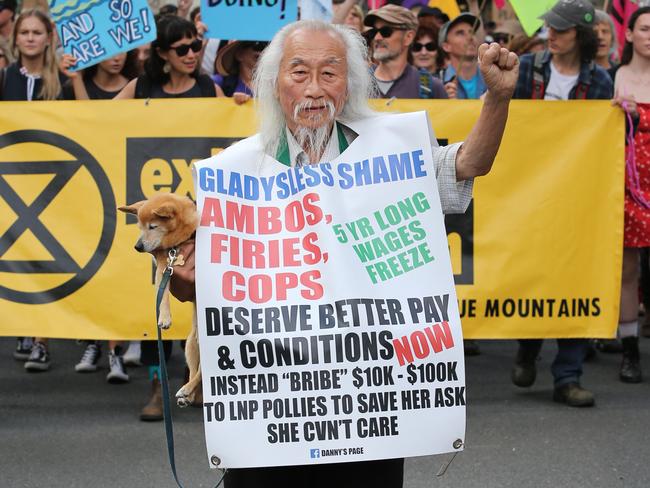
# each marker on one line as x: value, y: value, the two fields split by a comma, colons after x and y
x: 314, y: 453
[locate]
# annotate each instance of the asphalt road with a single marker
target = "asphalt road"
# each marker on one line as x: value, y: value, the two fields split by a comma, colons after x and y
x: 69, y: 430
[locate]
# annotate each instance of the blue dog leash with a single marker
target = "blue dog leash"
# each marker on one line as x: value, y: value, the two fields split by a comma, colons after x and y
x: 164, y: 382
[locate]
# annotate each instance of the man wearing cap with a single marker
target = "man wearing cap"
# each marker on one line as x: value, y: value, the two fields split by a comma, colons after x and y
x: 462, y: 78
x: 564, y: 71
x: 7, y: 14
x: 391, y: 35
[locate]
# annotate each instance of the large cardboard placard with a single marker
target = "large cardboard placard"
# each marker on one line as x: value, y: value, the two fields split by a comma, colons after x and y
x: 328, y: 322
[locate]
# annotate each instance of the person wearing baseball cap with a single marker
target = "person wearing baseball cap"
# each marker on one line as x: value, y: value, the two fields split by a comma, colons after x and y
x: 391, y: 33
x: 457, y: 38
x: 7, y: 15
x: 567, y: 14
x: 564, y: 71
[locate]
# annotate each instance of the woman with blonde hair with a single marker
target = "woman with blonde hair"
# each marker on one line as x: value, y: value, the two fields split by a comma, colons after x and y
x: 354, y: 18
x: 35, y: 73
x: 33, y: 76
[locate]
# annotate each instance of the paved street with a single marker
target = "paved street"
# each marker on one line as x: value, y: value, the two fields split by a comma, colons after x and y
x: 68, y: 430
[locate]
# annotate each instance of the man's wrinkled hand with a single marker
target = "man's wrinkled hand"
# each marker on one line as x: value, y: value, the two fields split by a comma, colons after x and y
x: 500, y: 70
x: 181, y: 284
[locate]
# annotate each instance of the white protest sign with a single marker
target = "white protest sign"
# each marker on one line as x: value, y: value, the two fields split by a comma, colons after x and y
x: 328, y: 321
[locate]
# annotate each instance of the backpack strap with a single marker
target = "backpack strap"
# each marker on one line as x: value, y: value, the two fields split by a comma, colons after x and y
x: 206, y: 86
x: 426, y: 84
x: 142, y: 87
x: 538, y: 77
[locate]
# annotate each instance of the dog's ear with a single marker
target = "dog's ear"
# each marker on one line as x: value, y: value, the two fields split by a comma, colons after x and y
x: 165, y: 211
x: 133, y: 208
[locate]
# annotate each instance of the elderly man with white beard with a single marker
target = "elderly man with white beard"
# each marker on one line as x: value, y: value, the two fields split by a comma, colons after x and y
x: 311, y: 81
x: 313, y: 77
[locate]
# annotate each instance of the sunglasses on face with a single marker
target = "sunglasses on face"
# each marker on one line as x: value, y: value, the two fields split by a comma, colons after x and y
x: 257, y: 46
x: 429, y: 46
x: 183, y: 49
x: 385, y: 31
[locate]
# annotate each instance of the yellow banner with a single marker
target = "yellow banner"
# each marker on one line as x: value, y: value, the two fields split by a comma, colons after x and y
x: 537, y: 255
x: 450, y: 7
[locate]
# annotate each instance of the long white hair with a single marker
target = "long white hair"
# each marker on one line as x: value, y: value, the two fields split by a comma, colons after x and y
x: 360, y: 83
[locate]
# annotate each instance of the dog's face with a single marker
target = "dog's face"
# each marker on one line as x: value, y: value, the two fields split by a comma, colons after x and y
x: 165, y: 221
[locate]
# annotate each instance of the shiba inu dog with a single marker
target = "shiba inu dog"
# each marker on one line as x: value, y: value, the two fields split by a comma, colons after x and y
x: 166, y: 221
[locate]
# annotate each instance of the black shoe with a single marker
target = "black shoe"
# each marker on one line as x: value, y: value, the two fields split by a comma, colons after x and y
x: 630, y: 366
x: 39, y: 358
x: 524, y: 372
x: 573, y: 395
x: 471, y: 348
x: 609, y: 346
x: 23, y: 348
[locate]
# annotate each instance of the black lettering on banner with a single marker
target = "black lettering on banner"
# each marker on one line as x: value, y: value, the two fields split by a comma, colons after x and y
x: 451, y: 396
x: 377, y: 427
x: 323, y: 379
x: 467, y: 307
x: 283, y: 408
x: 242, y: 409
x: 415, y: 399
x: 460, y: 233
x: 380, y: 401
x: 156, y: 164
x: 326, y: 430
x: 243, y: 384
x: 282, y: 432
x: 542, y: 307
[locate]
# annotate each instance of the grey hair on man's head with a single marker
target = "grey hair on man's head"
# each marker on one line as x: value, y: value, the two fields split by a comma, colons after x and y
x: 360, y: 84
x: 602, y: 17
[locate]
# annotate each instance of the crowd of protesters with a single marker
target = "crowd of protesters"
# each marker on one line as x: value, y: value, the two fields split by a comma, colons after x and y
x: 413, y: 53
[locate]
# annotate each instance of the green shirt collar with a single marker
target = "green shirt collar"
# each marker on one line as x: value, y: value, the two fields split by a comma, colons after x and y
x: 283, y: 147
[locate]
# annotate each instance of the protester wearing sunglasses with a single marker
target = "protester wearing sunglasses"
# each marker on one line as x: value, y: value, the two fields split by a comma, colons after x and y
x: 235, y: 64
x: 424, y: 50
x: 391, y: 34
x: 172, y: 69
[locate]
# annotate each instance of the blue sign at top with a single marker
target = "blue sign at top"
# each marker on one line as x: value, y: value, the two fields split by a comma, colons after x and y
x: 247, y: 20
x: 95, y: 30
